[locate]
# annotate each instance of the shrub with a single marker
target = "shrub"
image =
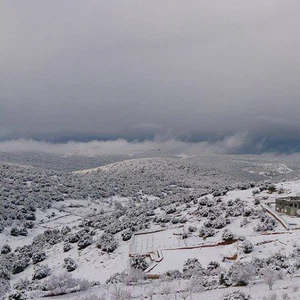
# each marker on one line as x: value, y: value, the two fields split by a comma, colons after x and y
x: 246, y: 246
x: 244, y: 222
x: 29, y: 225
x: 219, y: 223
x: 60, y: 284
x: 278, y: 261
x: 84, y: 284
x: 210, y: 203
x: 41, y: 272
x: 5, y: 249
x: 16, y: 296
x: 192, y: 228
x: 38, y: 257
x: 74, y: 238
x: 170, y: 209
x: 206, y: 232
x: 236, y: 295
x: 4, y: 286
x: 120, y: 293
x: 135, y: 275
x: 237, y: 275
x: 192, y: 267
x: 126, y: 234
x: 4, y: 273
x: 26, y: 251
x: 23, y: 231
x: 23, y: 285
x: 116, y: 278
x: 14, y: 231
x: 93, y: 297
x: 271, y: 188
x: 84, y: 242
x: 227, y: 235
x: 19, y: 265
x: 65, y: 230
x: 138, y: 262
x: 107, y: 242
x: 69, y: 264
x: 48, y: 237
x: 173, y: 274
x: 67, y: 247
x: 212, y: 267
x: 266, y: 223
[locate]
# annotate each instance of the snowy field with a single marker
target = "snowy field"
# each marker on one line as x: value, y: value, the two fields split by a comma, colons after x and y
x: 175, y: 259
x: 164, y: 239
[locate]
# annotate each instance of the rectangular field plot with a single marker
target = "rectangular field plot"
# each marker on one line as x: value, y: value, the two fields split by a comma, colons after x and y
x: 174, y: 259
x: 148, y: 242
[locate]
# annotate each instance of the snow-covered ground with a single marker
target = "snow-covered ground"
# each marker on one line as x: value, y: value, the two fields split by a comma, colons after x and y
x: 98, y: 266
x: 175, y: 259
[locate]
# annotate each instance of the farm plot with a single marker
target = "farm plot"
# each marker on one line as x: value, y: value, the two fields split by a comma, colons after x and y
x: 175, y: 259
x: 149, y: 242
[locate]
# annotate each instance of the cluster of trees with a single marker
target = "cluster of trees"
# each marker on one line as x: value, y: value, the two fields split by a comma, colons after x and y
x: 25, y: 189
x: 218, y: 214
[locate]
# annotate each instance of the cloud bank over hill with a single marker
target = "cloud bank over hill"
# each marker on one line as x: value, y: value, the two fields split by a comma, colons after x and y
x: 200, y: 71
x: 237, y: 143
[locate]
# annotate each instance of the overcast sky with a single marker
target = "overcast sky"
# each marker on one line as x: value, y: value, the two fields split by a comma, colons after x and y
x: 199, y: 70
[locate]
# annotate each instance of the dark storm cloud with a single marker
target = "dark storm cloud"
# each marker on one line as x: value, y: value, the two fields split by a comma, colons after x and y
x: 198, y: 70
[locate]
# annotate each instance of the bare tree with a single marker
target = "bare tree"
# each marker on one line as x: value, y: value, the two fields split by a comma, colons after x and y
x: 285, y: 296
x: 184, y: 295
x: 270, y: 276
x: 273, y: 296
x: 244, y: 273
x: 127, y: 295
x: 61, y: 283
x: 116, y: 293
x: 93, y: 297
x: 134, y: 275
x: 166, y: 290
x: 194, y: 286
x: 150, y: 292
x: 119, y: 293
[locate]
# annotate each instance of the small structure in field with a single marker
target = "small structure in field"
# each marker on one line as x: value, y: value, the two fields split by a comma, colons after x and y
x: 288, y: 205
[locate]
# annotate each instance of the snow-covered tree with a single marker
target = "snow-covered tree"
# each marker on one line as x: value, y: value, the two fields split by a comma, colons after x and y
x: 236, y: 295
x: 138, y: 262
x: 246, y: 246
x: 192, y: 267
x: 227, y: 235
x: 41, y: 272
x: 70, y: 264
x: 38, y: 257
x: 5, y: 249
x: 107, y: 242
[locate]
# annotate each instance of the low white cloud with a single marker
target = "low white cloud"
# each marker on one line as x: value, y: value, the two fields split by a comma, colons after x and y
x: 234, y: 142
x: 231, y: 144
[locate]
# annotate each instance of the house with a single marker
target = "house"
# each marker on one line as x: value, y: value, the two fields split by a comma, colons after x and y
x: 288, y: 205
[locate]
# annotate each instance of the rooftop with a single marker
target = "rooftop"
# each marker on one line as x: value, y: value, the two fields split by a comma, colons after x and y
x: 288, y: 198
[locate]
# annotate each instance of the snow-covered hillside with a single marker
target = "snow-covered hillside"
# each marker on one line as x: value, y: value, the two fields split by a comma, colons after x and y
x: 158, y: 225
